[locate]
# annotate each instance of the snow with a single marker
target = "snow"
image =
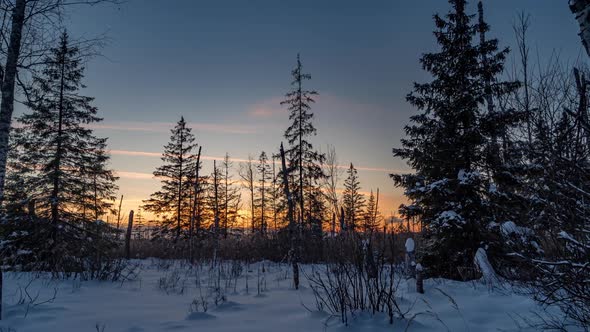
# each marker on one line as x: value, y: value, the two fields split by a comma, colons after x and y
x: 509, y: 227
x: 484, y: 266
x: 410, y: 245
x: 465, y: 177
x: 143, y: 306
x: 449, y: 218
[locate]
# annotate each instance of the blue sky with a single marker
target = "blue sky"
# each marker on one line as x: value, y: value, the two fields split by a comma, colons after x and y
x: 225, y: 64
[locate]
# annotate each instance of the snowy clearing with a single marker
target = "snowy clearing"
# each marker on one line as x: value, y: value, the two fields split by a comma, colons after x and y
x: 166, y: 297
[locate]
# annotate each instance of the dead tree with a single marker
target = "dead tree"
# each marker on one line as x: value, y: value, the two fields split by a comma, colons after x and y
x: 247, y: 175
x: 216, y: 218
x: 293, y: 252
x: 128, y: 236
x: 196, y: 209
x: 119, y: 213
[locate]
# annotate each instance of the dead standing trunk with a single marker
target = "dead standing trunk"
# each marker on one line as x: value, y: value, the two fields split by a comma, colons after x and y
x: 216, y: 218
x: 7, y: 102
x: 292, y: 225
x: 128, y: 236
x: 195, y: 208
x: 8, y: 83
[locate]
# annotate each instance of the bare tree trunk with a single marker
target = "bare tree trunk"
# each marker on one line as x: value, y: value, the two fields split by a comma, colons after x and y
x: 7, y: 102
x: 521, y: 29
x: 195, y: 207
x: 119, y: 213
x: 216, y: 219
x: 376, y: 208
x: 10, y: 71
x: 226, y: 197
x: 179, y: 203
x: 342, y: 220
x: 419, y: 279
x: 292, y: 225
x: 128, y: 236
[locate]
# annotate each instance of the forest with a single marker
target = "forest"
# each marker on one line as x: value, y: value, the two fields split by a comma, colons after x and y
x: 493, y: 233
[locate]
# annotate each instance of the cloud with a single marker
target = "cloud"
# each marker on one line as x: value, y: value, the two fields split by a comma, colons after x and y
x: 267, y: 108
x: 242, y: 160
x: 325, y: 102
x: 164, y: 127
x: 135, y: 175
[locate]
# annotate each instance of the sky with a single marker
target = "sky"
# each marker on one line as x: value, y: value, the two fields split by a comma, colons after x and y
x: 225, y: 66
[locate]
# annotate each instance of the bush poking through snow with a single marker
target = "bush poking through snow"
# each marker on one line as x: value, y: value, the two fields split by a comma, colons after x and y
x: 365, y: 283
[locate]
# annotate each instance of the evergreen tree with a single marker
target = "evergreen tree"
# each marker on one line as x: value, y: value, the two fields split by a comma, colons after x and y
x: 173, y: 200
x: 353, y: 201
x: 60, y: 169
x: 304, y: 161
x: 446, y: 143
x: 372, y: 218
x: 56, y: 158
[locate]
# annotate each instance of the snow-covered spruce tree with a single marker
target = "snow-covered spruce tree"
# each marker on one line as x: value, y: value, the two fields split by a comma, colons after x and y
x: 446, y: 145
x: 61, y: 169
x: 304, y: 161
x: 353, y: 201
x: 173, y: 200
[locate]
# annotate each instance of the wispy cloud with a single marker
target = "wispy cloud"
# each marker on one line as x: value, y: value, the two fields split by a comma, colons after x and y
x: 267, y: 108
x: 158, y: 155
x: 164, y: 127
x: 135, y: 175
x: 243, y: 160
x: 328, y: 103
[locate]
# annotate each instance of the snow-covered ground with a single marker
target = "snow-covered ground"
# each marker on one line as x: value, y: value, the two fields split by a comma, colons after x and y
x: 170, y: 299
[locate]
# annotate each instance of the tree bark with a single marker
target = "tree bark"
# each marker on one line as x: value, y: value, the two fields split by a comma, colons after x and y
x: 216, y: 218
x: 195, y: 208
x: 128, y: 236
x: 119, y: 213
x: 10, y: 71
x: 7, y: 102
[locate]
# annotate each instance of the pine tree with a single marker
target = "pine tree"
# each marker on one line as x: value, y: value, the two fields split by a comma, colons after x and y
x: 446, y: 144
x: 173, y: 200
x: 61, y: 170
x: 353, y: 201
x: 62, y: 165
x: 304, y: 161
x: 372, y: 218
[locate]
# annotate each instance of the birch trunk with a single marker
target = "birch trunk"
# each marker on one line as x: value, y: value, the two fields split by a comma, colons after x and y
x: 7, y: 102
